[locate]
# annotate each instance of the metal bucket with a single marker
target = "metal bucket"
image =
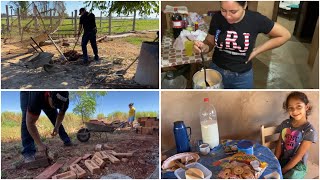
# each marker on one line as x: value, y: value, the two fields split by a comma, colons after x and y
x: 214, y: 79
x: 147, y: 72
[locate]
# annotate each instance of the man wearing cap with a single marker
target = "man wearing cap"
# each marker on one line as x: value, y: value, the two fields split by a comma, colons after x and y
x: 32, y: 102
x: 132, y: 113
x: 88, y: 24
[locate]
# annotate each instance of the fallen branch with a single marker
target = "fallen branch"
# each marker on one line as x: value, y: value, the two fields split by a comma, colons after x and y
x: 102, y: 38
x: 44, y: 43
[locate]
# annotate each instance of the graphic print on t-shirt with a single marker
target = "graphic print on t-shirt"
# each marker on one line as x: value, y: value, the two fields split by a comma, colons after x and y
x: 290, y: 138
x: 230, y: 45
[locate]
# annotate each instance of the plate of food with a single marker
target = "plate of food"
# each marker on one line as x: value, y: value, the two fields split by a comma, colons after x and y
x: 194, y: 171
x: 184, y: 158
x: 230, y: 146
x: 242, y: 166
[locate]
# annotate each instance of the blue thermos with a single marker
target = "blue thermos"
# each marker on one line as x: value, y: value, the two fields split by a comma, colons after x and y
x: 181, y: 136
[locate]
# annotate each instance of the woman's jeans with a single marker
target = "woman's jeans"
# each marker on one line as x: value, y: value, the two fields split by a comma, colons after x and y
x: 234, y: 80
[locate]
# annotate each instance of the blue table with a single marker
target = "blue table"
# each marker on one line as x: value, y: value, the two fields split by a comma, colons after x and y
x: 261, y: 152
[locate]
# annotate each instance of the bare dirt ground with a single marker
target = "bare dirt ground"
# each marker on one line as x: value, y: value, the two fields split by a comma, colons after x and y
x: 141, y: 165
x: 115, y: 54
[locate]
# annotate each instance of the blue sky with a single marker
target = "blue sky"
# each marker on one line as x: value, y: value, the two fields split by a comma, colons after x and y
x: 70, y: 5
x: 113, y: 101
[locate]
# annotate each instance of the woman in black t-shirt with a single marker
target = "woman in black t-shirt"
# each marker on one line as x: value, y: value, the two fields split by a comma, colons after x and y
x: 233, y: 33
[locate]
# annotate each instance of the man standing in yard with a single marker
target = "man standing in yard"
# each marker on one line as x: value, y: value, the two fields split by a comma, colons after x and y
x: 32, y: 102
x: 88, y: 24
x: 132, y: 114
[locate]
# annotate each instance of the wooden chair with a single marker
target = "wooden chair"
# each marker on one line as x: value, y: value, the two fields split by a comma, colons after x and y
x: 269, y: 137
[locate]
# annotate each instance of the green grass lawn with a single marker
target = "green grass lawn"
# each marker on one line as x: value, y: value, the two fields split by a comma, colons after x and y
x: 136, y: 40
x: 117, y: 25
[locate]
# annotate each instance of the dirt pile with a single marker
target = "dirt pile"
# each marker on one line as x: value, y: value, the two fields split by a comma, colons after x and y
x: 72, y: 55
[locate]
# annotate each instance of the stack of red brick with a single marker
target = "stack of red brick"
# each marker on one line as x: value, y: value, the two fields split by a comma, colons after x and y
x: 98, y: 161
x: 148, y: 125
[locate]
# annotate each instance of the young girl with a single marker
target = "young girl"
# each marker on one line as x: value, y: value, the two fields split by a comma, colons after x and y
x: 232, y: 34
x: 296, y: 137
x: 132, y: 113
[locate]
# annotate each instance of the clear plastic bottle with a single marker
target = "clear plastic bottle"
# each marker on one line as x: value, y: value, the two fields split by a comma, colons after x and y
x: 209, y: 124
x: 185, y: 22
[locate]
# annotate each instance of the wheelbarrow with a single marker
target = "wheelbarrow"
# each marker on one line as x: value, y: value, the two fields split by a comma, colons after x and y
x: 99, y: 128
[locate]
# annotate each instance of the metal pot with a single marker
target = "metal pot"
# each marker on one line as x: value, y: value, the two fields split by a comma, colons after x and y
x: 170, y: 81
x: 214, y: 79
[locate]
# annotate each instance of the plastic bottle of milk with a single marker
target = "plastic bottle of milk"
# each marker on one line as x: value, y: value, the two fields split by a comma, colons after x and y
x: 209, y: 124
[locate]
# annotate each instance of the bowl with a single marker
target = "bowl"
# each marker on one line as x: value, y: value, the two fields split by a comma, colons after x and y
x: 181, y: 173
x: 213, y: 77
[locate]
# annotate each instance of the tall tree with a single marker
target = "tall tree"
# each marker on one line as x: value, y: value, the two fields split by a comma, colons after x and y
x: 86, y: 102
x: 125, y: 7
x: 23, y: 5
